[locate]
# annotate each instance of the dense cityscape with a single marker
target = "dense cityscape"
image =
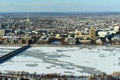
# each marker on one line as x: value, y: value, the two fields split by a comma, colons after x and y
x: 35, y: 28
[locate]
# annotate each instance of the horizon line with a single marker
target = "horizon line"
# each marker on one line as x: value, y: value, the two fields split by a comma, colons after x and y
x: 66, y: 12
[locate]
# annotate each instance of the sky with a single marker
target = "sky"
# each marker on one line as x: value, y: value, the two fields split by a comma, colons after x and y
x: 59, y: 5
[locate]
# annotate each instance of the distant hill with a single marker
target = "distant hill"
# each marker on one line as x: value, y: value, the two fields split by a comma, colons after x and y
x: 58, y: 13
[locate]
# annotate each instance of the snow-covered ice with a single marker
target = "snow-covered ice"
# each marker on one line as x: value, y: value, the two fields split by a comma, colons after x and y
x: 65, y: 60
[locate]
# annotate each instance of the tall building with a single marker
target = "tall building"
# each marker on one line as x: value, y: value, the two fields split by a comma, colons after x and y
x: 0, y: 26
x: 92, y: 33
x: 2, y: 32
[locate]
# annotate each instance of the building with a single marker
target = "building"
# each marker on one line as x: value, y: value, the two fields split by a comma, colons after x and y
x: 92, y: 33
x: 2, y: 32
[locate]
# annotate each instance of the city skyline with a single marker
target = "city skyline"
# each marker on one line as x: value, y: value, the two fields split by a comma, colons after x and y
x: 59, y: 6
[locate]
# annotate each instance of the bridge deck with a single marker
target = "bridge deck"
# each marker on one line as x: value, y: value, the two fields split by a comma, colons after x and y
x: 13, y: 53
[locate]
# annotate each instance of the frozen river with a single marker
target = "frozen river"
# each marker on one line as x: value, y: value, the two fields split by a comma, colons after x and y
x: 65, y: 60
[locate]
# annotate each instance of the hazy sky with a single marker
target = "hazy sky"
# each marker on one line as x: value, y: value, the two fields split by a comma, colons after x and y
x: 59, y: 5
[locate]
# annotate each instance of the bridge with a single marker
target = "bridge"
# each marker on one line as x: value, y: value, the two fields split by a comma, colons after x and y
x: 13, y: 53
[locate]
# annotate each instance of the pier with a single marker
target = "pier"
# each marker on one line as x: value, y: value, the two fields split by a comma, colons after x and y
x: 13, y: 53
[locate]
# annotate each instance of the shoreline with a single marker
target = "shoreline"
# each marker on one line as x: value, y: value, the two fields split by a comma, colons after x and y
x: 59, y: 45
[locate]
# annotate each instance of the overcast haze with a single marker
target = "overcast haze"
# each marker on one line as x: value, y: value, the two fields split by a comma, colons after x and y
x: 59, y: 5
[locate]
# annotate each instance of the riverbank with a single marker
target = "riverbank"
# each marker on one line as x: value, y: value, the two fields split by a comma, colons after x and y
x: 10, y: 75
x: 59, y: 45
